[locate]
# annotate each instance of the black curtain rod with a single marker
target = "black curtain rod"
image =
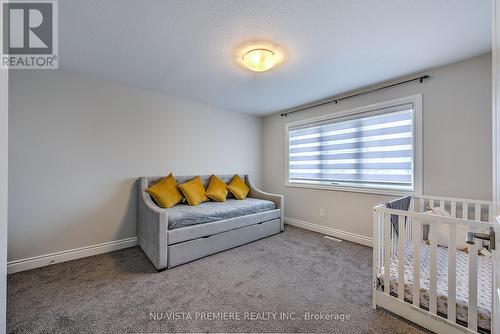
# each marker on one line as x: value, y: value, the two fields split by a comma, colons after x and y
x: 420, y: 79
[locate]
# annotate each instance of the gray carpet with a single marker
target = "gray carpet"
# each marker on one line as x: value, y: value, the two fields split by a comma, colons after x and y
x: 289, y: 275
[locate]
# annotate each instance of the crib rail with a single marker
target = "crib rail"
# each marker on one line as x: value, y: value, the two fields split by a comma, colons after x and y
x: 415, y: 226
x: 459, y: 208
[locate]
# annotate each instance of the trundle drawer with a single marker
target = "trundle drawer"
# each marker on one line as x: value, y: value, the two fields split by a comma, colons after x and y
x: 194, y: 249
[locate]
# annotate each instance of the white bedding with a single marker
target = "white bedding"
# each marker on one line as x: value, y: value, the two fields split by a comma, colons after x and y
x: 484, y: 282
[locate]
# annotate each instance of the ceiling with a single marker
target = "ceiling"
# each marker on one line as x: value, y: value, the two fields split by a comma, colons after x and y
x: 188, y: 48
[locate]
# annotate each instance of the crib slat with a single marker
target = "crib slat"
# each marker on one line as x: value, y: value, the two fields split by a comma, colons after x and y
x: 401, y: 258
x: 431, y: 203
x: 472, y: 312
x: 441, y: 204
x: 394, y: 239
x: 465, y: 210
x: 452, y: 262
x: 381, y: 238
x: 422, y: 205
x: 416, y: 262
x: 387, y: 252
x: 376, y: 264
x: 408, y: 230
x: 454, y: 209
x: 491, y: 213
x: 433, y: 269
x: 477, y: 212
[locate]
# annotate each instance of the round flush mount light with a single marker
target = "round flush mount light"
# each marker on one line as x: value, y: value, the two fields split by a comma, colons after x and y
x: 260, y: 59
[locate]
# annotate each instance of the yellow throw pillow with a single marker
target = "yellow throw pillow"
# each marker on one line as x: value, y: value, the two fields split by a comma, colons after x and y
x: 193, y: 191
x: 217, y: 189
x: 238, y: 187
x: 165, y: 192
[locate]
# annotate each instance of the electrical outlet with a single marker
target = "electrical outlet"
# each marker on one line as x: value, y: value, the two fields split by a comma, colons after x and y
x: 321, y: 212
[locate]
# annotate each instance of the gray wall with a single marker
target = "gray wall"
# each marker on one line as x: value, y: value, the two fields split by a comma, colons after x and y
x: 77, y: 146
x: 4, y: 129
x: 456, y: 147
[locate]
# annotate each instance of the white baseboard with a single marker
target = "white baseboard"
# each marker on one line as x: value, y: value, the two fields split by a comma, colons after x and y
x: 72, y: 254
x: 77, y: 253
x: 359, y: 239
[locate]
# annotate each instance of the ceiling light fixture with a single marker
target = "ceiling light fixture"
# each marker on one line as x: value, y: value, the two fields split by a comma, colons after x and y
x: 260, y: 59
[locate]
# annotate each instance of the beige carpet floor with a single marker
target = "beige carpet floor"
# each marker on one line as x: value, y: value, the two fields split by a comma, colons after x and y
x: 296, y: 281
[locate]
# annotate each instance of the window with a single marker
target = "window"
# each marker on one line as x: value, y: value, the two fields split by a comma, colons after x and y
x: 369, y: 148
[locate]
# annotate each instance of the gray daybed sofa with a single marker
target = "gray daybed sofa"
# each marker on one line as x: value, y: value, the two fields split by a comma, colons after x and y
x: 184, y: 233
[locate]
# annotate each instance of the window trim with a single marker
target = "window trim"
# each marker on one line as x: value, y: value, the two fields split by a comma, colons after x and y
x: 417, y: 148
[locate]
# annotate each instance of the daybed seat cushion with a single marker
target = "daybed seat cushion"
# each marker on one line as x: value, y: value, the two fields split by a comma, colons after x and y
x: 183, y: 215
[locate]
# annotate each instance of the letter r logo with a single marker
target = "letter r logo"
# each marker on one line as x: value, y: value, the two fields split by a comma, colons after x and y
x: 27, y: 27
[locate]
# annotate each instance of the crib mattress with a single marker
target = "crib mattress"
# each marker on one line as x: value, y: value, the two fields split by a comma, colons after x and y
x: 484, y: 282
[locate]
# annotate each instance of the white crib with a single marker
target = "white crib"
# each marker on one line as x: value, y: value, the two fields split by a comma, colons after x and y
x: 443, y: 289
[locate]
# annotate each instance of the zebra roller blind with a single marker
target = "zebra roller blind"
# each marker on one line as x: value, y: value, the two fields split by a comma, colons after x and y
x: 373, y: 149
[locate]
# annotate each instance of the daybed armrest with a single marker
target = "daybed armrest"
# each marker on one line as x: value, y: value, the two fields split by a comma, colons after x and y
x: 279, y: 200
x: 152, y: 227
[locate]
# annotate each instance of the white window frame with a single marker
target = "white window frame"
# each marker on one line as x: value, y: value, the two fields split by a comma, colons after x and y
x: 417, y: 148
